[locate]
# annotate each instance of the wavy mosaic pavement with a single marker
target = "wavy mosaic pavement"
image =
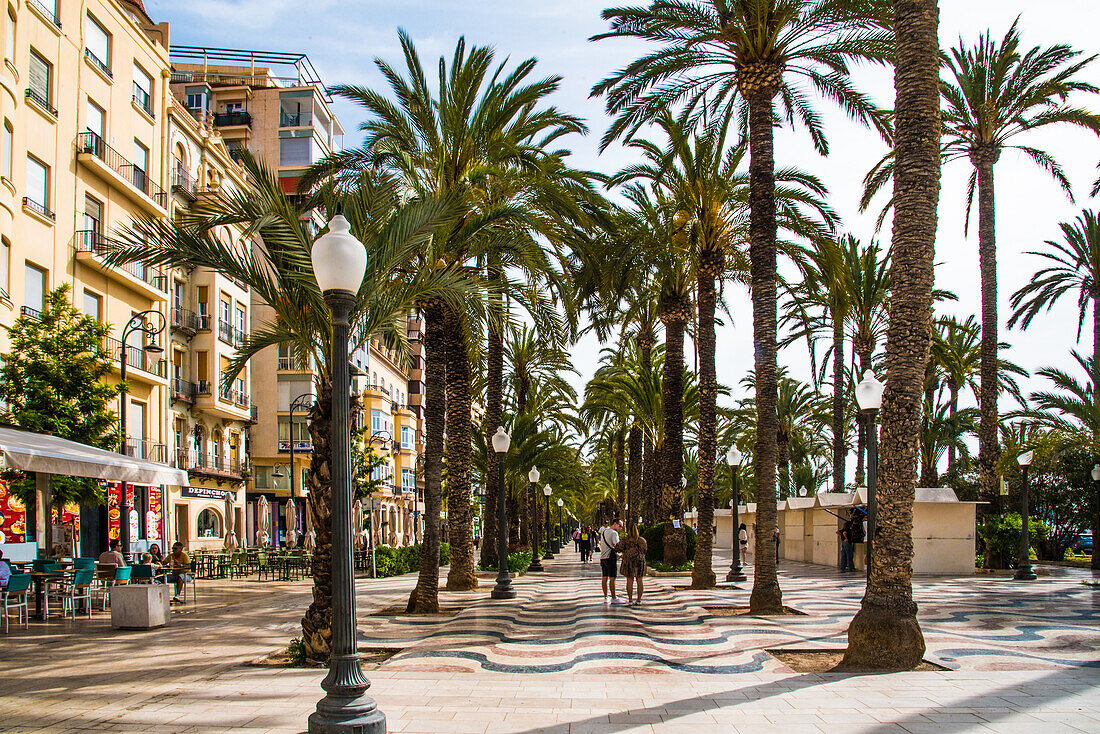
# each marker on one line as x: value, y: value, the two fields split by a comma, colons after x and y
x: 559, y: 623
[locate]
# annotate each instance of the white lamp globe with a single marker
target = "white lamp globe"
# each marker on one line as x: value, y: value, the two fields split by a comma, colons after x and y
x: 501, y: 441
x: 339, y: 260
x: 546, y: 490
x: 560, y: 502
x: 1096, y: 473
x: 733, y: 457
x: 532, y: 475
x: 1025, y: 458
x: 869, y: 392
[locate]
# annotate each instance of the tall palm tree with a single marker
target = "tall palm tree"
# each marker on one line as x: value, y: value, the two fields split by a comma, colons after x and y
x: 483, y: 124
x: 995, y: 93
x: 1073, y: 268
x: 743, y: 56
x: 885, y: 633
x: 278, y: 271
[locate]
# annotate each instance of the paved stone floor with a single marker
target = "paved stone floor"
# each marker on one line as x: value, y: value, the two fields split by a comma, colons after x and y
x: 1021, y: 657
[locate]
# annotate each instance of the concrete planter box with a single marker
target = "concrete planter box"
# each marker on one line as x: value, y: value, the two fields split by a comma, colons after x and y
x: 140, y: 606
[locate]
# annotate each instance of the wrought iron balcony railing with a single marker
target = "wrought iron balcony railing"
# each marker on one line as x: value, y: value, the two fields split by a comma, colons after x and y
x: 88, y: 240
x: 89, y: 142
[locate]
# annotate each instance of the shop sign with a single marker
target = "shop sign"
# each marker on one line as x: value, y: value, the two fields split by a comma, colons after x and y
x: 206, y: 493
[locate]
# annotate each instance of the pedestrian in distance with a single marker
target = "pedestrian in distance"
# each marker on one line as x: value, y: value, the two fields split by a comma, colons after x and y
x: 586, y: 544
x: 743, y: 541
x: 608, y: 539
x: 776, y: 537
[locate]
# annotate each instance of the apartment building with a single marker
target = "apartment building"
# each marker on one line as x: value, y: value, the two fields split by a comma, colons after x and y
x: 92, y: 139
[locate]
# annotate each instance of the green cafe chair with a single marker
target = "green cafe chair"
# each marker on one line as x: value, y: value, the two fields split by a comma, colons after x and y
x: 14, y: 596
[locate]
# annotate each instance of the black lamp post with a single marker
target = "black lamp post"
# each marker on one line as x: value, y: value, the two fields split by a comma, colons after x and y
x: 1023, y: 568
x: 733, y: 458
x: 143, y: 323
x: 536, y: 564
x: 561, y: 530
x: 339, y: 263
x: 1095, y: 515
x: 549, y: 556
x: 503, y: 588
x: 869, y: 398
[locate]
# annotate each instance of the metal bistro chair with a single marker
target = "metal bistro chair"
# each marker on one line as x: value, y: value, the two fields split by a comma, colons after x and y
x: 142, y: 574
x: 79, y: 588
x: 80, y: 563
x: 14, y: 596
x: 122, y: 576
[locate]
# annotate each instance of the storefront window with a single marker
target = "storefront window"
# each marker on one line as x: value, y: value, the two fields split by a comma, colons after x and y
x: 210, y: 524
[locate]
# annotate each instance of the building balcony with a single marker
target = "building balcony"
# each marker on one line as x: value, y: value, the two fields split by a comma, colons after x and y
x: 237, y: 397
x: 254, y: 418
x: 113, y: 166
x: 233, y: 119
x: 48, y: 13
x: 143, y: 448
x: 184, y: 321
x: 91, y: 247
x: 184, y: 185
x: 38, y: 208
x: 203, y: 322
x: 300, y: 446
x: 140, y: 364
x: 202, y: 464
x: 289, y: 364
x: 231, y: 335
x: 42, y: 102
x: 203, y: 388
x: 183, y: 390
x: 98, y: 63
x: 30, y: 313
x: 143, y: 101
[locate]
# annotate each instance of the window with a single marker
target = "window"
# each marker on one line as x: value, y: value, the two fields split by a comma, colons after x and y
x: 141, y: 166
x: 95, y: 119
x: 5, y: 165
x: 143, y: 89
x: 93, y: 215
x: 209, y: 525
x: 408, y: 479
x: 196, y: 102
x: 242, y: 323
x: 177, y: 294
x: 39, y: 80
x: 9, y: 36
x: 375, y: 421
x: 5, y: 267
x: 34, y: 287
x: 406, y: 437
x: 295, y: 151
x: 93, y: 305
x: 38, y: 179
x: 97, y: 44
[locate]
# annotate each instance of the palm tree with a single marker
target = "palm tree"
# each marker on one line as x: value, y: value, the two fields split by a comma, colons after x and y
x: 277, y: 270
x: 741, y: 56
x: 885, y: 633
x: 481, y: 126
x: 996, y: 93
x: 1074, y: 267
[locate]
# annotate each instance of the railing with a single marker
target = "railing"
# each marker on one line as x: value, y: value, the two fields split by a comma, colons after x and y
x: 89, y: 142
x: 98, y: 62
x: 144, y: 100
x: 184, y: 320
x: 230, y: 334
x: 41, y: 101
x: 238, y: 117
x: 237, y: 397
x: 34, y: 206
x: 201, y: 462
x: 299, y: 445
x: 183, y: 389
x: 202, y: 387
x: 30, y: 313
x: 184, y: 184
x: 143, y: 448
x: 295, y: 119
x: 138, y: 358
x: 202, y: 321
x: 50, y: 13
x: 289, y: 363
x: 88, y: 240
x: 221, y: 79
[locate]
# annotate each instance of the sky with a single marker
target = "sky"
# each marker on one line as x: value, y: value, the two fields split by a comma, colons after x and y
x: 343, y: 38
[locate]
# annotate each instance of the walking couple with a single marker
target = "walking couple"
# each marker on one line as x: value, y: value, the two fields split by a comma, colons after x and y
x: 633, y: 548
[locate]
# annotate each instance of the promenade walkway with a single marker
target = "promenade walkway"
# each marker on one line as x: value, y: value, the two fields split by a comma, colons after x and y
x: 1018, y: 656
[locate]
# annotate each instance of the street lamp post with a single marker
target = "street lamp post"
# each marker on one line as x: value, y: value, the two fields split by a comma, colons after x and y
x: 561, y: 530
x: 143, y: 323
x: 1023, y: 568
x: 869, y: 398
x: 339, y: 264
x: 503, y: 588
x: 536, y: 564
x: 549, y: 556
x: 1095, y: 514
x: 733, y: 458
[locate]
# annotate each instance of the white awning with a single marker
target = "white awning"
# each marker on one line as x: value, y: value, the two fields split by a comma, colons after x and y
x: 39, y: 452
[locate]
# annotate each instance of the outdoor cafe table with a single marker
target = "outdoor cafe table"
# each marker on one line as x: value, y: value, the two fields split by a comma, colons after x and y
x: 40, y: 579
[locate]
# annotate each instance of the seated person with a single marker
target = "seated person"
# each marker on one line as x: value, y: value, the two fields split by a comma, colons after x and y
x: 147, y: 559
x: 180, y: 563
x: 5, y: 571
x: 157, y: 556
x: 112, y: 556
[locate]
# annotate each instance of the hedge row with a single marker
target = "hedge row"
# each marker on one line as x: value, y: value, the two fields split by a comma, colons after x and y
x: 518, y: 561
x: 406, y: 559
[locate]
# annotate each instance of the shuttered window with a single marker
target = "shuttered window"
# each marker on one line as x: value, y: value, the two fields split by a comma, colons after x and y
x: 38, y: 177
x: 295, y: 151
x: 97, y: 42
x: 143, y: 89
x: 39, y: 78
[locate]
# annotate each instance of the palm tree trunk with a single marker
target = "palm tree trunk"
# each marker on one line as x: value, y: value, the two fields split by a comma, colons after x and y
x: 840, y: 450
x: 766, y: 596
x: 620, y: 468
x: 884, y: 633
x: 861, y: 442
x: 952, y: 456
x: 424, y: 598
x: 988, y: 449
x: 494, y: 389
x: 317, y: 622
x: 1095, y: 391
x: 634, y: 474
x: 702, y: 572
x: 783, y: 465
x: 462, y: 576
x: 675, y: 319
x: 650, y: 471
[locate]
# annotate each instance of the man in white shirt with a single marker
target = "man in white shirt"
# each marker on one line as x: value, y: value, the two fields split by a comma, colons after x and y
x: 609, y: 538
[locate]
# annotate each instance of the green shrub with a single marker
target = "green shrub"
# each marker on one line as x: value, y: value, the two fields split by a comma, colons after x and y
x: 406, y: 559
x: 444, y: 554
x: 518, y: 562
x: 1001, y: 535
x: 668, y: 567
x: 655, y: 542
x: 296, y: 652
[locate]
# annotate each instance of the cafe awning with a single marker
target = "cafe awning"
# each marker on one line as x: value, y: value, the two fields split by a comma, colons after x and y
x: 38, y: 452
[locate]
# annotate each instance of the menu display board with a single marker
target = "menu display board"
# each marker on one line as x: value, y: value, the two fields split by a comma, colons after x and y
x: 13, y: 518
